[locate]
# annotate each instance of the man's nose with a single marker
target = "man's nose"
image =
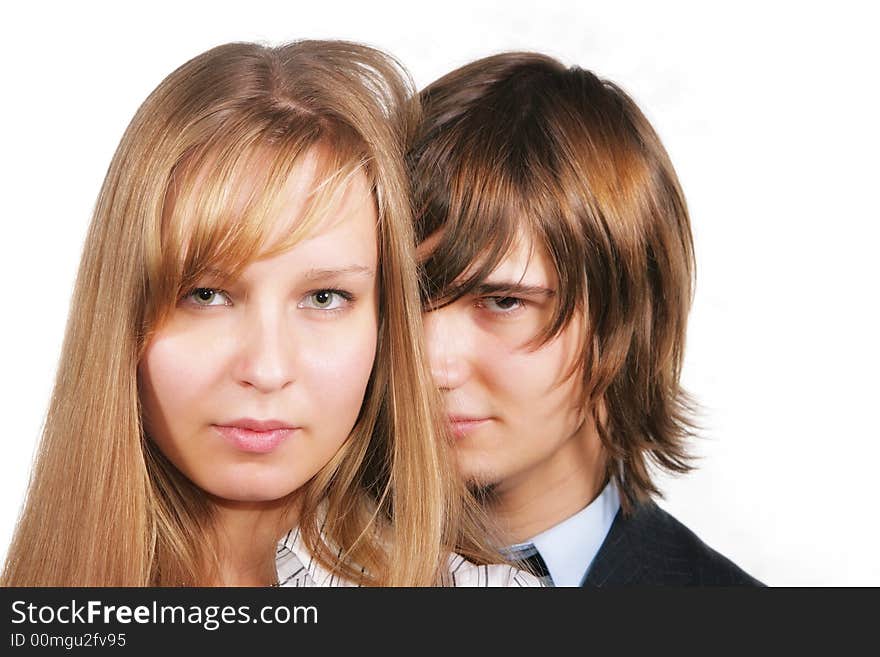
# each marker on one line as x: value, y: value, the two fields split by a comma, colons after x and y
x: 446, y: 337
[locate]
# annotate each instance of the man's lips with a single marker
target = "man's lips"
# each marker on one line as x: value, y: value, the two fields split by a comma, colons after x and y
x: 256, y: 436
x: 463, y: 425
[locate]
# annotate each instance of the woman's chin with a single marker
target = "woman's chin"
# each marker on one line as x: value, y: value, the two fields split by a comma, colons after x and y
x: 249, y: 490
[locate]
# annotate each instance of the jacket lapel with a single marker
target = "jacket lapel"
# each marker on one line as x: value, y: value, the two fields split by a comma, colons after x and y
x: 617, y: 562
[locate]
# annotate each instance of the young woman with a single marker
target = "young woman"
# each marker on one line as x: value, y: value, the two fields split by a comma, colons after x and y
x: 242, y: 364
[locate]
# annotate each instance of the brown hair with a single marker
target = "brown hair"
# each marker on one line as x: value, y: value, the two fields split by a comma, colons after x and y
x: 518, y: 142
x: 104, y: 506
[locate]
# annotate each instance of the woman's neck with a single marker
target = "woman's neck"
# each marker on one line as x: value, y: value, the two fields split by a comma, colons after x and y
x: 247, y: 533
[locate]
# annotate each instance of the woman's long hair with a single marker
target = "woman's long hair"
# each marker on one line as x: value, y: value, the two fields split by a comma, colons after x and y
x: 196, y: 174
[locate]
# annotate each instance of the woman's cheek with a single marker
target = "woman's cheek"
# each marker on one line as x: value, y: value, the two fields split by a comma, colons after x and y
x: 340, y: 366
x: 180, y: 366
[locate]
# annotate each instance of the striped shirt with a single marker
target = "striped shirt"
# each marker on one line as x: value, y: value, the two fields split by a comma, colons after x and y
x: 295, y: 566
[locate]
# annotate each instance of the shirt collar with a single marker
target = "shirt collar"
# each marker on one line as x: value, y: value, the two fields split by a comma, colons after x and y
x: 569, y: 548
x: 295, y: 565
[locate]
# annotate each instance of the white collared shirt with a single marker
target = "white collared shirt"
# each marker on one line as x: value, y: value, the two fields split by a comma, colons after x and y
x: 295, y: 566
x: 569, y: 548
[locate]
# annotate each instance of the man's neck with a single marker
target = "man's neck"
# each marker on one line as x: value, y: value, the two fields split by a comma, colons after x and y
x: 247, y: 533
x: 555, y: 489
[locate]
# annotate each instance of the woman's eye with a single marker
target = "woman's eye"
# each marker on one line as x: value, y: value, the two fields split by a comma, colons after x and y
x: 208, y: 296
x: 325, y: 300
x: 501, y: 304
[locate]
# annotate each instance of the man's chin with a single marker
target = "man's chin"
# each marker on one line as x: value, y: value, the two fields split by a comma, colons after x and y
x: 483, y: 491
x: 481, y: 480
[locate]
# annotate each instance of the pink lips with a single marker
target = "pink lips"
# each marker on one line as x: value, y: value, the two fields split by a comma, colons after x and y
x: 256, y: 436
x: 461, y: 426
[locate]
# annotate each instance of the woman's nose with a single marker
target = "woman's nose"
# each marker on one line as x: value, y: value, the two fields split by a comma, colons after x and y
x: 267, y: 351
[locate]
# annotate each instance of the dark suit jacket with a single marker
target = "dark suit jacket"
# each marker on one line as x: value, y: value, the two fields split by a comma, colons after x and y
x: 650, y: 547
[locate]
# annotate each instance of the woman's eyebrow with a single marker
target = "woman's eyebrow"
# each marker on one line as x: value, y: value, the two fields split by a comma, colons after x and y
x: 218, y: 275
x: 359, y: 270
x: 510, y: 288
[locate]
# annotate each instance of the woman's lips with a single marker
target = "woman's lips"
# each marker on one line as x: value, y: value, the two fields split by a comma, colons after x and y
x: 461, y: 426
x: 255, y: 437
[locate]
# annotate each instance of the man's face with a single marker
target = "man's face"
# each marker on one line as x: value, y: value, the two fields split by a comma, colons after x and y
x: 514, y: 409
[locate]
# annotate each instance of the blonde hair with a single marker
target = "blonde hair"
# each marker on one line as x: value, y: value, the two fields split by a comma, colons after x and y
x: 104, y: 506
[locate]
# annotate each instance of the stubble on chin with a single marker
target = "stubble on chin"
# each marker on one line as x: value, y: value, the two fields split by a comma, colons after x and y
x: 483, y: 491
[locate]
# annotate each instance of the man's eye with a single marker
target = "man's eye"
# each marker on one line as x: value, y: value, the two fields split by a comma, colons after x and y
x: 326, y: 300
x: 501, y: 304
x: 208, y: 296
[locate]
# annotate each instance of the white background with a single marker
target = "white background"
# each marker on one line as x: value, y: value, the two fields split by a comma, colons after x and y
x: 768, y: 112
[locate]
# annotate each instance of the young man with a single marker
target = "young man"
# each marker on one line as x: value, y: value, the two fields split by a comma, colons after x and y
x: 557, y: 265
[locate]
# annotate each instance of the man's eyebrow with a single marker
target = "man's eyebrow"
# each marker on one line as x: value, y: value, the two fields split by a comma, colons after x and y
x: 359, y: 270
x: 509, y: 288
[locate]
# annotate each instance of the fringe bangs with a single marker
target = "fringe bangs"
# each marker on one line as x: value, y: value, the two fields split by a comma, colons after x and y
x: 222, y: 198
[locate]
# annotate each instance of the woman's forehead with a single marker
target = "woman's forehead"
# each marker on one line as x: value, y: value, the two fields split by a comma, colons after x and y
x: 259, y: 206
x: 347, y: 212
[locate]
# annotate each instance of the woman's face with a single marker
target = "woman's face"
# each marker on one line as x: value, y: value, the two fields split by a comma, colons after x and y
x: 253, y: 384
